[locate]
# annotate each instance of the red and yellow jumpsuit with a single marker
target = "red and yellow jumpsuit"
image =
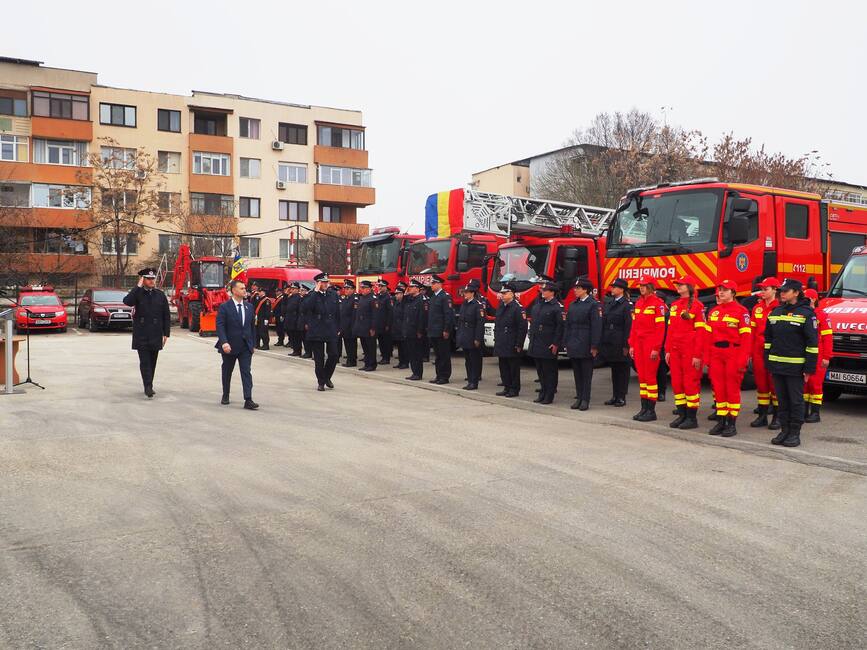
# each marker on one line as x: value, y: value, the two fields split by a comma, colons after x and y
x: 727, y: 351
x: 647, y: 336
x: 813, y: 392
x: 686, y: 341
x: 764, y: 383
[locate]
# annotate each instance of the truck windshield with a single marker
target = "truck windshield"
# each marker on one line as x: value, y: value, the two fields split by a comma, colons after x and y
x: 378, y: 257
x: 212, y: 275
x: 429, y: 257
x: 683, y: 222
x: 852, y: 280
x: 521, y: 265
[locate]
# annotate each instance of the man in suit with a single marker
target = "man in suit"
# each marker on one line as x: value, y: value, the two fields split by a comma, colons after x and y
x: 236, y: 336
x: 151, y: 325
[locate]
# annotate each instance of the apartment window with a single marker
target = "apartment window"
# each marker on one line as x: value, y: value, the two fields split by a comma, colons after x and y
x: 248, y: 207
x: 117, y: 115
x: 119, y: 198
x: 214, y: 164
x: 169, y: 162
x: 168, y: 120
x: 330, y: 214
x: 344, y: 176
x: 169, y: 202
x: 292, y: 133
x: 129, y: 244
x: 70, y: 107
x: 15, y: 195
x: 52, y: 240
x: 117, y: 157
x: 333, y: 136
x: 169, y: 244
x: 301, y: 249
x: 293, y: 211
x: 292, y: 172
x: 70, y: 197
x: 59, y: 152
x: 206, y: 123
x: 216, y: 245
x: 251, y: 168
x: 249, y: 128
x: 12, y: 103
x: 249, y: 246
x: 14, y: 148
x: 214, y: 204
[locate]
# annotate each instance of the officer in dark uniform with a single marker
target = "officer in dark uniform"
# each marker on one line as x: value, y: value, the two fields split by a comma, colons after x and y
x: 151, y: 324
x: 278, y: 310
x: 364, y: 326
x: 546, y: 338
x: 582, y: 335
x: 337, y: 290
x: 262, y: 312
x: 440, y: 323
x: 791, y: 351
x: 397, y: 326
x: 469, y: 334
x: 510, y: 330
x: 323, y: 330
x: 383, y: 326
x: 414, y: 328
x: 424, y: 293
x: 614, y: 345
x: 302, y: 320
x: 291, y: 309
x: 253, y: 295
x: 347, y: 322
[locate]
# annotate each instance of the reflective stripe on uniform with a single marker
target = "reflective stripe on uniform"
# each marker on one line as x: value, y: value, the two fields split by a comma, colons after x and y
x: 767, y: 346
x: 774, y: 357
x: 791, y: 318
x: 744, y: 330
x: 825, y: 332
x: 659, y: 319
x: 813, y: 350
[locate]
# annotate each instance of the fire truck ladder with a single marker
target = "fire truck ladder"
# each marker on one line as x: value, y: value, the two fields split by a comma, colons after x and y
x: 505, y: 215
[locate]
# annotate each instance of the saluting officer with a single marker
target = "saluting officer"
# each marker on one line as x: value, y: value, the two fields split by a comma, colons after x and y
x: 364, y: 326
x: 582, y: 335
x: 278, y: 310
x: 791, y: 351
x: 323, y: 330
x: 546, y: 338
x: 510, y: 330
x: 469, y: 334
x: 291, y: 309
x: 614, y: 346
x: 383, y: 325
x: 151, y: 324
x: 397, y: 326
x: 414, y: 328
x: 263, y: 320
x: 347, y: 323
x: 440, y: 323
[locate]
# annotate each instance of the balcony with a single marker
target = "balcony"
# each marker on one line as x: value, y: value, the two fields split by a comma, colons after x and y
x: 340, y: 157
x: 61, y: 129
x: 344, y: 194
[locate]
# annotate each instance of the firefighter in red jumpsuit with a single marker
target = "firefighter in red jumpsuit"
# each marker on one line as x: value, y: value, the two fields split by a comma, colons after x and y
x: 765, y: 394
x: 813, y: 385
x: 645, y: 343
x: 684, y: 351
x: 727, y: 353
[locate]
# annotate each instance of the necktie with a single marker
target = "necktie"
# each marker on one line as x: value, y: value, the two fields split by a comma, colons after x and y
x: 240, y: 315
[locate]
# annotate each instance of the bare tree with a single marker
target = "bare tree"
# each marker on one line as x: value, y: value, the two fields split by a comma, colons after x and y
x: 329, y: 244
x: 739, y: 161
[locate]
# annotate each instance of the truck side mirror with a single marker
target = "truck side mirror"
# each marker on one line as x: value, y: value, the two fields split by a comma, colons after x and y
x: 739, y: 228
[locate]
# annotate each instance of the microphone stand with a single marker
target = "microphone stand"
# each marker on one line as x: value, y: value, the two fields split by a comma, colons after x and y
x: 28, y: 380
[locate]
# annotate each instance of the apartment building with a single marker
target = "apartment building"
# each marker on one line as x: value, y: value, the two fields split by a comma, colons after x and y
x: 233, y: 168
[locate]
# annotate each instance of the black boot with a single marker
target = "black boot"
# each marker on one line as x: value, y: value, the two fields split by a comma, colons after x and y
x: 775, y: 421
x: 713, y: 416
x: 643, y: 410
x: 690, y: 421
x: 720, y: 425
x: 650, y: 413
x: 730, y: 428
x: 807, y: 406
x: 813, y: 415
x: 681, y: 416
x: 782, y: 435
x: 762, y: 419
x: 794, y: 437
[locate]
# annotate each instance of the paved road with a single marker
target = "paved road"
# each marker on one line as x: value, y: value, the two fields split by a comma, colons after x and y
x: 381, y: 515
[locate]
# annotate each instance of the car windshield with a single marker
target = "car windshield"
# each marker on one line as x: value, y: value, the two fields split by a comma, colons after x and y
x: 40, y: 300
x: 852, y: 280
x: 429, y: 257
x: 109, y: 296
x: 212, y: 275
x: 684, y: 221
x: 378, y: 257
x: 521, y: 265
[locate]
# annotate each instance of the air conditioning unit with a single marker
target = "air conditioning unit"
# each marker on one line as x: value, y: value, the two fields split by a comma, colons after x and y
x: 276, y: 145
x: 281, y: 185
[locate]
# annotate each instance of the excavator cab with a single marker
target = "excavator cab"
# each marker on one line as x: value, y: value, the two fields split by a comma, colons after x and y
x: 207, y: 274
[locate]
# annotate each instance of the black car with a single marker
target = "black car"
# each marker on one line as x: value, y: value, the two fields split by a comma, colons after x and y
x: 103, y: 308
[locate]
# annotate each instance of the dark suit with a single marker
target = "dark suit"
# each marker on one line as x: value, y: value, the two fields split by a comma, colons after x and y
x: 441, y: 322
x: 241, y: 337
x: 469, y: 334
x: 151, y: 322
x: 383, y: 325
x: 510, y: 330
x: 366, y: 319
x: 347, y: 322
x: 581, y: 335
x: 546, y: 329
x: 323, y: 332
x: 414, y: 326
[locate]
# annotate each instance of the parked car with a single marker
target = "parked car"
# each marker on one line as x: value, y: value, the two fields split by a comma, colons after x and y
x: 103, y: 308
x: 39, y: 308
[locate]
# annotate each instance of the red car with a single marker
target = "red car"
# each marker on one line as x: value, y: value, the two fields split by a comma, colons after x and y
x: 103, y: 308
x: 39, y: 308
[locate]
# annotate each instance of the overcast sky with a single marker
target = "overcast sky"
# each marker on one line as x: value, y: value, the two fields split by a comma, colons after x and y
x: 449, y: 88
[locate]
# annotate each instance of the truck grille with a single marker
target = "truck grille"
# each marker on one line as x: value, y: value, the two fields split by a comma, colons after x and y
x: 851, y: 343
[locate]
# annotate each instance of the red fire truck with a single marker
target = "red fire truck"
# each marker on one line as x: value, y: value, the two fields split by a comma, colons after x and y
x: 382, y: 254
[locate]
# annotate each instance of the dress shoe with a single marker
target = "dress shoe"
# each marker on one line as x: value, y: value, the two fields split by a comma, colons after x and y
x: 500, y: 384
x: 538, y: 400
x: 511, y: 394
x: 442, y: 382
x: 583, y: 406
x: 619, y: 403
x: 321, y: 388
x: 347, y: 365
x: 149, y: 391
x: 225, y: 399
x: 471, y: 387
x: 575, y: 405
x: 267, y: 347
x: 547, y: 400
x: 610, y: 402
x: 250, y: 405
x: 329, y: 384
x: 501, y: 393
x: 306, y: 356
x: 414, y: 378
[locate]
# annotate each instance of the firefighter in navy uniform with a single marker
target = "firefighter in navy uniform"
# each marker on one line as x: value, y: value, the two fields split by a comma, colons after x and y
x: 510, y: 331
x: 347, y: 323
x: 277, y: 311
x: 546, y: 338
x: 383, y: 326
x: 469, y: 334
x: 364, y: 326
x: 582, y: 334
x: 414, y: 328
x: 323, y: 330
x: 614, y: 347
x: 291, y: 307
x: 262, y: 312
x: 791, y: 352
x: 440, y: 323
x: 397, y: 326
x: 151, y: 324
x: 302, y: 320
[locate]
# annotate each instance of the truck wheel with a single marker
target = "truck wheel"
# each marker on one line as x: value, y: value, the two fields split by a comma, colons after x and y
x: 185, y: 322
x: 91, y: 325
x: 832, y: 393
x: 195, y: 315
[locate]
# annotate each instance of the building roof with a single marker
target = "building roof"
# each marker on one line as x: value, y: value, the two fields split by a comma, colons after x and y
x: 9, y: 59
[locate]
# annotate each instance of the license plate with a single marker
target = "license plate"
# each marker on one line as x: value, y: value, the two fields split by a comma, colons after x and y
x: 847, y: 377
x: 42, y: 321
x: 121, y: 315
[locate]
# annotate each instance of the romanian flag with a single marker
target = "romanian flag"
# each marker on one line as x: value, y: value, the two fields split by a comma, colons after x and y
x: 444, y: 214
x: 238, y: 265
